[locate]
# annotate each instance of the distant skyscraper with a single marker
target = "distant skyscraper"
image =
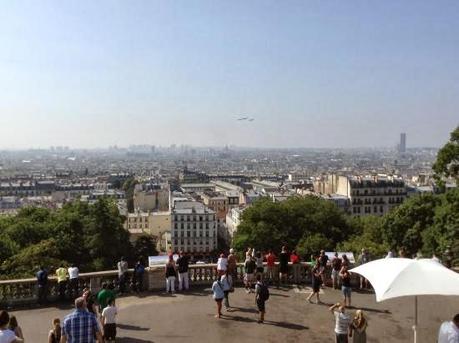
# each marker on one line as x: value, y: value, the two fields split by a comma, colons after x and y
x: 402, y: 146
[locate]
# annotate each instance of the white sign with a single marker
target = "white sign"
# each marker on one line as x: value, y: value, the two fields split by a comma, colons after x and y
x: 160, y: 260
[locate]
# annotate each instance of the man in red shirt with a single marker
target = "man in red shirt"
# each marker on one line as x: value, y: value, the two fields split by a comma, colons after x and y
x: 270, y: 262
x: 296, y: 266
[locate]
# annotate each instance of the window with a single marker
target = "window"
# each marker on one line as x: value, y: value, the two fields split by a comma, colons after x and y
x: 188, y: 234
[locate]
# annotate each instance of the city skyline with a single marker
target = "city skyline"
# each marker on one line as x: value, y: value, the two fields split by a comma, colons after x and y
x: 310, y: 74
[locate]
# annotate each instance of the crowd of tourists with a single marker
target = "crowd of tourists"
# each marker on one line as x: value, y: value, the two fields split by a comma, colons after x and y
x: 94, y: 316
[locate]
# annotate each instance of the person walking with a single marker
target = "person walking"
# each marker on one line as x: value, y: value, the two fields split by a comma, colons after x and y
x: 261, y: 296
x: 218, y: 295
x: 346, y: 286
x: 62, y: 275
x: 449, y: 331
x: 14, y: 326
x: 183, y: 265
x: 227, y: 282
x: 54, y: 335
x: 336, y: 267
x: 316, y: 282
x: 342, y: 322
x: 249, y: 268
x: 42, y: 283
x: 283, y: 265
x: 81, y: 325
x: 7, y: 335
x: 73, y: 281
x: 171, y: 273
x: 109, y: 321
x: 232, y: 264
x: 122, y: 274
x: 358, y: 328
x: 296, y: 267
x: 271, y: 265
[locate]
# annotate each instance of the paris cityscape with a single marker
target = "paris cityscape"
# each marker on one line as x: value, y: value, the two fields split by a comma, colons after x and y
x: 252, y: 171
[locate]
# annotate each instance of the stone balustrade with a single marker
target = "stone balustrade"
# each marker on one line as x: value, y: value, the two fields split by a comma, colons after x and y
x: 24, y: 291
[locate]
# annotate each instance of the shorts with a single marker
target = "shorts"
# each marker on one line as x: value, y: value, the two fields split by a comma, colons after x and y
x: 219, y: 300
x: 341, y: 338
x: 260, y: 269
x: 334, y: 273
x: 346, y: 291
x: 110, y: 331
x: 261, y: 305
x: 248, y: 277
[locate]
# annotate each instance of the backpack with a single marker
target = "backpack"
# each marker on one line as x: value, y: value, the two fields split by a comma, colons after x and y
x: 264, y: 292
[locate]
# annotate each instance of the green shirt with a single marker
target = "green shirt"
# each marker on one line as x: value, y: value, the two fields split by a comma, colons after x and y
x: 104, y: 296
x: 61, y: 274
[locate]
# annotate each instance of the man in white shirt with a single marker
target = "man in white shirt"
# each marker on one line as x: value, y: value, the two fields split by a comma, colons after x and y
x: 122, y: 274
x: 342, y: 322
x: 222, y: 264
x: 73, y: 281
x: 109, y: 321
x: 449, y: 331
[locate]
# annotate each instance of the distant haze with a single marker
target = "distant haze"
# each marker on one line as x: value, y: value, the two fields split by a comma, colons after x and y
x: 310, y: 73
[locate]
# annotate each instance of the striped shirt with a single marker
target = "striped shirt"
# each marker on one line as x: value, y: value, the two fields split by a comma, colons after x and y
x: 80, y: 327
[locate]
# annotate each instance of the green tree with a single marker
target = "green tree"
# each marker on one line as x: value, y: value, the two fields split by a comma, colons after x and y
x: 368, y: 235
x: 404, y: 226
x: 269, y: 225
x: 144, y: 246
x: 447, y: 163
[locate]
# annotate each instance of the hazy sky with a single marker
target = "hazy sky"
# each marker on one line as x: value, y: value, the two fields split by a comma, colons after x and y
x: 311, y: 73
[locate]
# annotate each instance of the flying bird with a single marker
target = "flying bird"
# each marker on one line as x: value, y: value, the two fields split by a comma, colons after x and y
x: 243, y: 118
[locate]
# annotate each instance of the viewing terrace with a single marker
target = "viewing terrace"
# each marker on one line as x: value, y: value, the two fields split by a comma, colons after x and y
x: 155, y: 316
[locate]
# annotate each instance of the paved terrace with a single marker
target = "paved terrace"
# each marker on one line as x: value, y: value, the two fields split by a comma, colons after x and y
x: 189, y: 317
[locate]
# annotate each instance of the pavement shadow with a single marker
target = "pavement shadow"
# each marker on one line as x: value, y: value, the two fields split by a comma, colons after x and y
x: 243, y: 309
x: 286, y: 325
x: 132, y: 327
x: 279, y: 295
x: 132, y: 340
x: 238, y: 319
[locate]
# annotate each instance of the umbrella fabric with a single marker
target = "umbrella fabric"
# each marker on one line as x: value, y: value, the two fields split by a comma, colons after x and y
x: 398, y: 277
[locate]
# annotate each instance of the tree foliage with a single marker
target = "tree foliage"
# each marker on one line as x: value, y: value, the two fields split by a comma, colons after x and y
x: 89, y: 236
x: 447, y: 163
x: 303, y: 222
x: 144, y: 246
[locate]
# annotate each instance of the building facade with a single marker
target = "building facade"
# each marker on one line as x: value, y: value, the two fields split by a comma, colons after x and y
x: 194, y: 228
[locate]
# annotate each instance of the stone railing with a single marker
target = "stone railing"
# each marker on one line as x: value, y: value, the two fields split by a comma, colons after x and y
x: 24, y: 291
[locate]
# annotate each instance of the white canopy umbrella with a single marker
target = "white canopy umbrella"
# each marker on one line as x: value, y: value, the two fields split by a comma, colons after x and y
x: 399, y: 277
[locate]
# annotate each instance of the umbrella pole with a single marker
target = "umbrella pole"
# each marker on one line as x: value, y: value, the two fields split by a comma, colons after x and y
x: 415, y: 318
